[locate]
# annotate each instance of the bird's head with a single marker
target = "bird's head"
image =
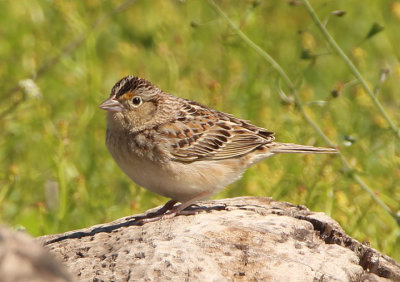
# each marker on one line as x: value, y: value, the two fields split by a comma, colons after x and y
x: 133, y: 104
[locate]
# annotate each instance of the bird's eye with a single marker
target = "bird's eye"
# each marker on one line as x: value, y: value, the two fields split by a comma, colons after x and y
x: 136, y: 101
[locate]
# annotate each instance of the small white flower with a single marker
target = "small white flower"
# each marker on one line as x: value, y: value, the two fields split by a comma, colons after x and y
x: 30, y: 88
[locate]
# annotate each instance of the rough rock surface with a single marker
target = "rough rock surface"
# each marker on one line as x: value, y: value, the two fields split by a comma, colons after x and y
x: 243, y: 239
x: 23, y: 259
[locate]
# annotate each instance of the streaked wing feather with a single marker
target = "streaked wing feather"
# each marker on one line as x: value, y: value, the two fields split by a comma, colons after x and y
x: 201, y: 133
x: 240, y: 144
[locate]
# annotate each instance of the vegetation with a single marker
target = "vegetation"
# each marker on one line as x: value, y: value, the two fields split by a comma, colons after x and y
x: 59, y: 60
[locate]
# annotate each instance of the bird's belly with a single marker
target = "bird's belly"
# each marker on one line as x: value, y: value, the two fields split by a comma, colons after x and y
x: 181, y: 181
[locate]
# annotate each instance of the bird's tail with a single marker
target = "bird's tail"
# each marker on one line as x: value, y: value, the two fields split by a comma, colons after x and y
x: 303, y: 149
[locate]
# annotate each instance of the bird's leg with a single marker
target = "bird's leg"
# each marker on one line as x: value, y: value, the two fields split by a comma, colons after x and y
x: 176, y: 210
x: 179, y: 209
x: 168, y: 206
x: 157, y: 214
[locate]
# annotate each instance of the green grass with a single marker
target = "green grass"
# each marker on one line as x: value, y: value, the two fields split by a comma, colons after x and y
x: 56, y: 174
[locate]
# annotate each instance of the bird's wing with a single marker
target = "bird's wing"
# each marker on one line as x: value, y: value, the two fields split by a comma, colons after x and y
x: 200, y: 133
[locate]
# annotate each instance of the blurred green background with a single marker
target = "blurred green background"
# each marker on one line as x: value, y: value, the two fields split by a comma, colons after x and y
x: 59, y: 60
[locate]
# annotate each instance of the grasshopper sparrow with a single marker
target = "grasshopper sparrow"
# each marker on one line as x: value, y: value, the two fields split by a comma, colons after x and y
x: 179, y: 148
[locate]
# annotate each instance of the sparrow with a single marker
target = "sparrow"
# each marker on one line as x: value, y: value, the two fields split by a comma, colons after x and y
x: 179, y: 148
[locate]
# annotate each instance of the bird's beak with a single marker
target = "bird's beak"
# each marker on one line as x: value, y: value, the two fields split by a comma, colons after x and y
x: 111, y: 105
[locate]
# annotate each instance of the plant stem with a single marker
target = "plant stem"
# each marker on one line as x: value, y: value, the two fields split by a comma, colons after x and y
x: 351, y: 66
x: 300, y: 106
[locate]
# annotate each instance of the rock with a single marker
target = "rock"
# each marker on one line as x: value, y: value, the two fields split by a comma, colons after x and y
x: 244, y: 239
x: 23, y: 259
